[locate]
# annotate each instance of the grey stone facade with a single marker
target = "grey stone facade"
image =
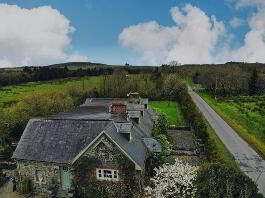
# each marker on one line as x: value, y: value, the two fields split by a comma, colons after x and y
x: 103, y: 151
x: 50, y: 173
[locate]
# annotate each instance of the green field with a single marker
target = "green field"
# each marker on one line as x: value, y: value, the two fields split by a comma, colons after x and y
x: 10, y: 94
x: 246, y: 115
x: 171, y: 109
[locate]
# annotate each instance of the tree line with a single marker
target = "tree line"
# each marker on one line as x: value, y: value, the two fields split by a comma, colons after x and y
x: 45, y: 73
x: 229, y: 79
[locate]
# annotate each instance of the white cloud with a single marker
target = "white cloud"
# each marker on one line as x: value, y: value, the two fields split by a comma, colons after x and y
x: 76, y: 58
x: 247, y: 3
x: 197, y: 38
x: 253, y: 49
x: 32, y: 36
x: 236, y: 22
x: 193, y: 39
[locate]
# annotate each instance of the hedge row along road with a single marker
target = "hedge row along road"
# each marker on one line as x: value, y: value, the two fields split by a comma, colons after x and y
x: 248, y: 160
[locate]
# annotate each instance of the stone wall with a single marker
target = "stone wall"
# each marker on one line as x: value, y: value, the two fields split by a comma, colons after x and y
x: 51, y: 174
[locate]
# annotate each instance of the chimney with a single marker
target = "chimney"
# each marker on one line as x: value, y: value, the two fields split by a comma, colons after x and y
x: 118, y: 107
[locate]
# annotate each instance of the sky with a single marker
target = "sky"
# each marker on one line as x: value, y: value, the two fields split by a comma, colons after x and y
x: 138, y: 32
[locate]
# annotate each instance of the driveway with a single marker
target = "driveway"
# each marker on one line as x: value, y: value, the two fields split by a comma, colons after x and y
x: 247, y: 158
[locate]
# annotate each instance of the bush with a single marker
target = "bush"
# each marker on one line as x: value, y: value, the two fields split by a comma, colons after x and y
x: 2, y: 178
x: 161, y: 125
x: 158, y: 159
x: 224, y: 181
x: 25, y: 186
x: 173, y: 181
x: 5, y: 152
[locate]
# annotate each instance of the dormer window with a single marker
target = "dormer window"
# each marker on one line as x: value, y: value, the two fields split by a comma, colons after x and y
x: 137, y: 120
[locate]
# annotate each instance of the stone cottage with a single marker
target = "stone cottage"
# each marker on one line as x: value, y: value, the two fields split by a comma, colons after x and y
x: 97, y: 149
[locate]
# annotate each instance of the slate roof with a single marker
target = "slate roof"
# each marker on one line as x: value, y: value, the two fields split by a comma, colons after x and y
x: 146, y: 124
x: 102, y: 101
x: 135, y: 148
x: 90, y: 113
x: 60, y: 138
x: 152, y: 145
x: 57, y: 141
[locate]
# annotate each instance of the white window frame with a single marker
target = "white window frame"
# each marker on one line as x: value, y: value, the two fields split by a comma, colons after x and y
x: 112, y: 175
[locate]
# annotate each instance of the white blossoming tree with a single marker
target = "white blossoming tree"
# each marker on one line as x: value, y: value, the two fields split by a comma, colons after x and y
x: 173, y: 181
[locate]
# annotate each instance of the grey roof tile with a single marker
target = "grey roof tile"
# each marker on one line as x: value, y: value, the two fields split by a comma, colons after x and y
x: 57, y: 141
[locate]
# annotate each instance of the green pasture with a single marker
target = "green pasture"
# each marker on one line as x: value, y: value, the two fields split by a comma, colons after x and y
x: 171, y: 109
x: 10, y: 94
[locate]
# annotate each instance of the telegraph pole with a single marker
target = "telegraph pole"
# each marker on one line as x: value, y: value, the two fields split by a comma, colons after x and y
x: 216, y: 87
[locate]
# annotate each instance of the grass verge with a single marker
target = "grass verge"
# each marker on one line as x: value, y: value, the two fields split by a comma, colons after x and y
x: 221, y: 153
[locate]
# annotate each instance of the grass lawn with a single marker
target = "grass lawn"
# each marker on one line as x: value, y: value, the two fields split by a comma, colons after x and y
x: 9, y: 94
x: 171, y: 109
x: 246, y: 115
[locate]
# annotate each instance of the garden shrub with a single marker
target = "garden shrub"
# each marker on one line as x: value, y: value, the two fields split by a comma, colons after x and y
x: 173, y: 180
x: 161, y: 125
x: 216, y: 180
x: 5, y: 152
x: 25, y: 186
x: 2, y: 178
x: 156, y: 160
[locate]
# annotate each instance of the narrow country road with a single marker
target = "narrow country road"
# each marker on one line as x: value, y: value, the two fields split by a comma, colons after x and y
x: 247, y: 158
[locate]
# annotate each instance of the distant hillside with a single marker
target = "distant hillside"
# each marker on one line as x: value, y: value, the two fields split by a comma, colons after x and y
x: 76, y: 64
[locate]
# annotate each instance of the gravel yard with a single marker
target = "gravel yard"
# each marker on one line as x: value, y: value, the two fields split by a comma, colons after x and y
x: 182, y: 139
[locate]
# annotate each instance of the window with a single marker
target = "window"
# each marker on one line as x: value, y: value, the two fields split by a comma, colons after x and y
x: 65, y: 169
x: 107, y: 174
x: 40, y: 177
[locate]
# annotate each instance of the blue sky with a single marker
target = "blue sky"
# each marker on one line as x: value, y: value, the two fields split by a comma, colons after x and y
x: 99, y: 24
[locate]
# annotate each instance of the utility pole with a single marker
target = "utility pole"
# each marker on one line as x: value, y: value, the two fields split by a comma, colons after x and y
x: 216, y: 87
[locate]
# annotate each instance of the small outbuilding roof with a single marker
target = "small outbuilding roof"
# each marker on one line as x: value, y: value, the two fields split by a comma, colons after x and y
x: 152, y: 145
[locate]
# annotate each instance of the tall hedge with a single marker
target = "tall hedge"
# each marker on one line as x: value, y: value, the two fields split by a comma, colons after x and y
x: 195, y: 118
x: 223, y: 181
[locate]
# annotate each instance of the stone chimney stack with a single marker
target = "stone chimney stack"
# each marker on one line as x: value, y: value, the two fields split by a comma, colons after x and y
x: 118, y: 107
